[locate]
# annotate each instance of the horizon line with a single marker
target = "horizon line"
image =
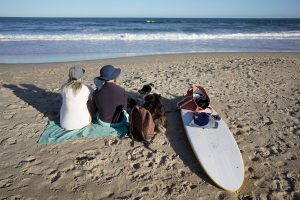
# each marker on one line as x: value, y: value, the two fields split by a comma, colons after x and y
x: 157, y: 17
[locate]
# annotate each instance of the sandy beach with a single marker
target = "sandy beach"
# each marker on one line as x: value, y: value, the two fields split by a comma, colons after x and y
x: 256, y: 94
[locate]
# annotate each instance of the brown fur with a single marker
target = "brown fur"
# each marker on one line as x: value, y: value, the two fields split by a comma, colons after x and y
x: 152, y: 102
x: 154, y: 105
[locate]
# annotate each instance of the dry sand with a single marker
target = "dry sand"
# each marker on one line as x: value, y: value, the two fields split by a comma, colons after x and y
x: 257, y: 94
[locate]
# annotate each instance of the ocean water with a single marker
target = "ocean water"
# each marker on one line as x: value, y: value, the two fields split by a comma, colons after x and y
x: 32, y: 40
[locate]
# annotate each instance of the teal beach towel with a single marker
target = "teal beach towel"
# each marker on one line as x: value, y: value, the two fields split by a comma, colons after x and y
x: 54, y: 133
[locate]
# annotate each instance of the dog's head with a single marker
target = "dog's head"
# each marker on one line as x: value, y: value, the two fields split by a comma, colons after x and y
x: 153, y: 103
x: 148, y: 89
x: 154, y: 99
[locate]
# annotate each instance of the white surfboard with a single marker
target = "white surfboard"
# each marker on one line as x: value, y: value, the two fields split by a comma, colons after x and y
x: 217, y: 152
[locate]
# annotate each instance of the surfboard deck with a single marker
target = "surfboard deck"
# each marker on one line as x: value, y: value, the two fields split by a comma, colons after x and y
x: 217, y: 152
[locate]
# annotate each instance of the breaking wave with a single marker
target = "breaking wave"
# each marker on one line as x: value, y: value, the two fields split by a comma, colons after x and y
x: 149, y: 36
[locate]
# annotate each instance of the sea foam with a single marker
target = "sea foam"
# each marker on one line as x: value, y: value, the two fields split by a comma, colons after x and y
x: 149, y: 36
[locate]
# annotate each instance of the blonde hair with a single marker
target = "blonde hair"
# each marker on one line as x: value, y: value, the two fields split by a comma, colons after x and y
x: 75, y: 85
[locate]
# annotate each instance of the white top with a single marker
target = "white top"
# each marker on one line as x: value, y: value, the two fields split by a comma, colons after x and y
x: 74, y: 112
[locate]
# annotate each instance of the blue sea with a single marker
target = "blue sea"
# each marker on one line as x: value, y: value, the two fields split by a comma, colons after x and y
x: 33, y: 40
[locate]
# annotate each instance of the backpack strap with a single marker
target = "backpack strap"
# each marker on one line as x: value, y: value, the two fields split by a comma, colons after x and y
x: 131, y: 127
x: 184, y: 101
x: 147, y: 146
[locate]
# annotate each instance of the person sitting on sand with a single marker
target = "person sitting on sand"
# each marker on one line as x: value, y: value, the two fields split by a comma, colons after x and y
x: 74, y: 113
x: 110, y: 100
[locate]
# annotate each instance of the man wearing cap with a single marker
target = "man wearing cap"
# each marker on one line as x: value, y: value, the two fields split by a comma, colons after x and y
x: 110, y: 101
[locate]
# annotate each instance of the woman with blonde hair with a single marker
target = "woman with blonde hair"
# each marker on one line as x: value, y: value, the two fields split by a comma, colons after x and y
x: 74, y: 113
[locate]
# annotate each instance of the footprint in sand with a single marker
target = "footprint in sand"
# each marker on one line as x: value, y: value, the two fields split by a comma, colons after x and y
x: 83, y: 159
x: 273, y: 150
x: 266, y: 121
x: 13, y: 106
x: 254, y: 157
x: 53, y: 176
x: 162, y: 160
x: 263, y: 152
x: 8, y: 141
x: 135, y: 166
x: 252, y: 174
x: 284, y: 182
x: 8, y: 115
x: 93, y: 152
x: 148, y: 164
x: 279, y: 195
x: 136, y: 153
x: 262, y: 183
x: 7, y: 182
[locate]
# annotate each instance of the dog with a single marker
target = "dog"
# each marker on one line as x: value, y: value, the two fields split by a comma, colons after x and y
x: 149, y: 98
x: 148, y: 89
x: 154, y: 105
x: 139, y: 98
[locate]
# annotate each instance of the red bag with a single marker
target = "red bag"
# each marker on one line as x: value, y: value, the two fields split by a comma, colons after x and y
x: 196, y: 99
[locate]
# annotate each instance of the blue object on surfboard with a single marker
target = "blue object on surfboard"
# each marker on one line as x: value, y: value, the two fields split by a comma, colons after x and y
x: 203, y: 120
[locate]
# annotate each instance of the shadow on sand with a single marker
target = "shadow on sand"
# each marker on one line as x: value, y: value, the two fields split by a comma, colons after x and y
x: 179, y: 141
x: 49, y: 104
x: 45, y: 102
x: 176, y: 135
